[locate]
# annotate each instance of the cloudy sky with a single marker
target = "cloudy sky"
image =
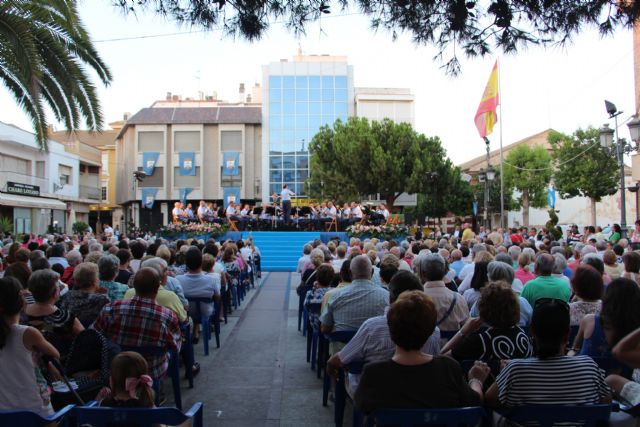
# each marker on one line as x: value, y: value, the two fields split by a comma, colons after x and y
x: 554, y: 88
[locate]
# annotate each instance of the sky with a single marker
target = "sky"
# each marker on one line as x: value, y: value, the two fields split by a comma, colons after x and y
x: 559, y: 88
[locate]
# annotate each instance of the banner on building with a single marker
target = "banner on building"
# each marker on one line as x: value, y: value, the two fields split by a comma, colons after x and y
x: 187, y: 162
x: 149, y: 197
x: 551, y: 197
x: 184, y: 192
x: 149, y: 160
x: 230, y: 161
x: 230, y: 194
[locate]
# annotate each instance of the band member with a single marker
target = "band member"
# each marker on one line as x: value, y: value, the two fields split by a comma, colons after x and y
x: 285, y: 198
x: 356, y: 213
x: 384, y: 211
x: 232, y: 212
x: 345, y: 215
x: 202, y: 211
x: 176, y: 212
x: 246, y: 216
x: 188, y: 212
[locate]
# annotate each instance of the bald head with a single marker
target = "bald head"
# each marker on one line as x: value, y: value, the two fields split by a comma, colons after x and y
x: 361, y: 267
x: 146, y: 282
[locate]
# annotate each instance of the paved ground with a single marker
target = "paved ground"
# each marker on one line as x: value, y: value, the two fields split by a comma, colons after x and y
x: 259, y: 376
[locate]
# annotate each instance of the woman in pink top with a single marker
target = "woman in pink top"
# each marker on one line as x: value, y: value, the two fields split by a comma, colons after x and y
x: 522, y: 272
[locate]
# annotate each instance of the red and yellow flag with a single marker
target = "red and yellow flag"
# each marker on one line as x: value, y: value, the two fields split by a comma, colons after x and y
x: 486, y: 116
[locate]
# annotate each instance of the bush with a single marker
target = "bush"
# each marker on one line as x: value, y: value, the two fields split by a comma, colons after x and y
x: 6, y: 225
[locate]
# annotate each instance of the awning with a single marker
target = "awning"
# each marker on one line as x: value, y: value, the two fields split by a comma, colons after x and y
x: 31, y: 202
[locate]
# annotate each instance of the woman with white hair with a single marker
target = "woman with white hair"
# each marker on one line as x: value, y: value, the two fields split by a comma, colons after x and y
x: 500, y: 272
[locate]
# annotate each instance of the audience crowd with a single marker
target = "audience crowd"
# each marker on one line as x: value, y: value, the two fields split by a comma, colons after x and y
x: 500, y: 319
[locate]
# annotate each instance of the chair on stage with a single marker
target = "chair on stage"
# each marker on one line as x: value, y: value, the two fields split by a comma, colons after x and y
x: 143, y: 417
x: 331, y: 224
x: 233, y: 225
x: 31, y: 419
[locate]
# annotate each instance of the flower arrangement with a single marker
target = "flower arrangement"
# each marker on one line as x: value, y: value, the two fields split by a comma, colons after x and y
x: 377, y: 231
x: 212, y: 229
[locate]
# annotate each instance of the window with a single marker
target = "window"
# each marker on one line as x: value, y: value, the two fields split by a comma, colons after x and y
x: 14, y: 164
x: 65, y: 173
x: 231, y: 180
x: 105, y: 195
x: 105, y: 163
x: 40, y: 169
x: 192, y: 181
x: 230, y: 140
x: 155, y: 180
x: 186, y: 141
x: 151, y: 141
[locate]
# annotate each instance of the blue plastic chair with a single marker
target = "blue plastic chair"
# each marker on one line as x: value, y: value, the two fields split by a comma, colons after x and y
x: 449, y: 417
x: 31, y: 419
x: 447, y: 335
x: 339, y: 336
x: 341, y: 394
x: 549, y: 415
x: 301, y: 296
x: 187, y: 350
x: 612, y: 366
x: 102, y: 416
x: 205, y: 321
x: 233, y: 286
x: 313, y: 335
x: 173, y: 370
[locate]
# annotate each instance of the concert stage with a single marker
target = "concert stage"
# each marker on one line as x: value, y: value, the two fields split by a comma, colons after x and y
x: 280, y: 250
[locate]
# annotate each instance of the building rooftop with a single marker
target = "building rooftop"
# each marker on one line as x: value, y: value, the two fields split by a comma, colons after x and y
x: 94, y: 139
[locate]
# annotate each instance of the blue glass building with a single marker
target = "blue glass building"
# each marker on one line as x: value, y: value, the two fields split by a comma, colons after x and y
x: 298, y: 98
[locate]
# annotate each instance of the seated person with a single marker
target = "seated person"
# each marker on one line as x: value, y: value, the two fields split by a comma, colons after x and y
x: 413, y: 379
x: 213, y: 212
x: 549, y: 378
x: 58, y: 325
x: 323, y: 279
x: 627, y: 351
x: 22, y: 386
x: 203, y: 214
x: 130, y: 386
x: 232, y: 212
x: 84, y: 300
x: 188, y: 212
x: 356, y: 213
x: 587, y: 287
x: 503, y: 339
x: 598, y: 333
x: 176, y: 212
x: 372, y: 342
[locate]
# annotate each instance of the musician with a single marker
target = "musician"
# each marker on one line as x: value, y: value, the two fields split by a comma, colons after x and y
x: 232, y: 213
x: 356, y: 213
x: 246, y: 216
x: 188, y: 212
x: 176, y: 212
x: 201, y: 212
x: 265, y: 218
x: 345, y: 215
x: 384, y: 211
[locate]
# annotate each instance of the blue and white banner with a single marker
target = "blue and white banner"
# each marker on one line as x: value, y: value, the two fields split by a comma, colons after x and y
x: 184, y: 192
x: 187, y: 162
x: 230, y: 161
x: 475, y: 208
x: 230, y: 194
x: 551, y: 197
x: 149, y: 160
x: 149, y: 197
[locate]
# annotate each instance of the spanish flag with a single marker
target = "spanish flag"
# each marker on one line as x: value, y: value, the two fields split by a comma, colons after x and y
x: 486, y: 116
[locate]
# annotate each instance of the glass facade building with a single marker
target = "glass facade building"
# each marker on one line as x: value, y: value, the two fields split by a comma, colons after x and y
x: 298, y: 98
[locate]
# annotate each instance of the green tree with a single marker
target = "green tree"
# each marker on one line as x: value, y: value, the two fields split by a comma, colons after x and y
x: 44, y: 55
x: 358, y: 158
x: 583, y: 167
x: 446, y: 193
x: 528, y: 171
x: 472, y: 27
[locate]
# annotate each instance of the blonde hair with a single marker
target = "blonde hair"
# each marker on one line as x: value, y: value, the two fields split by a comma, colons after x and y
x: 483, y: 256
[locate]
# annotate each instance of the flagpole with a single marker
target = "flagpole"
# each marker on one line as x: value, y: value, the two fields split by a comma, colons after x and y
x: 502, y: 222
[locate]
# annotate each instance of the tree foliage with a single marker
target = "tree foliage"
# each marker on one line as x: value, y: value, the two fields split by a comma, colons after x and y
x: 583, y: 167
x: 44, y: 55
x: 528, y: 170
x: 445, y: 194
x: 468, y: 26
x: 358, y: 158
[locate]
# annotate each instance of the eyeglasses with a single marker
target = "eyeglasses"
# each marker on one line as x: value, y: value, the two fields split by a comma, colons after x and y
x: 551, y: 301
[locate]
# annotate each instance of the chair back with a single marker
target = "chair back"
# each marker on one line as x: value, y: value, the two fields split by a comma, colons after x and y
x: 341, y: 336
x: 447, y: 335
x: 31, y: 419
x: 195, y: 303
x: 549, y: 415
x: 449, y: 417
x: 141, y: 417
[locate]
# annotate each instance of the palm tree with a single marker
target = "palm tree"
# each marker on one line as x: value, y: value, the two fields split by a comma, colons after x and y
x: 45, y: 53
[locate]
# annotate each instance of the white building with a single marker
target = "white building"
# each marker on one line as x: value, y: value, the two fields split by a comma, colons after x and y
x: 33, y: 181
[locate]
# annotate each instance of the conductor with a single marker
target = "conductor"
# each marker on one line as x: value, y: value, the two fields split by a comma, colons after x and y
x: 285, y: 197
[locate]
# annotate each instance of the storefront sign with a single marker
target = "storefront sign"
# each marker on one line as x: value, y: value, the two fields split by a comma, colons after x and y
x: 23, y: 189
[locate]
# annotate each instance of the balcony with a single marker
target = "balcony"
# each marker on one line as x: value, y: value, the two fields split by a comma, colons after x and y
x: 8, y: 176
x: 89, y: 192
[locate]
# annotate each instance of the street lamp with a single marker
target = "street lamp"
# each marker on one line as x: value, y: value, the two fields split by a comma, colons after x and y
x: 609, y: 139
x: 486, y: 176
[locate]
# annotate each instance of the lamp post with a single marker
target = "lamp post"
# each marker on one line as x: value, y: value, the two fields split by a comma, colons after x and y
x: 610, y: 136
x: 486, y: 176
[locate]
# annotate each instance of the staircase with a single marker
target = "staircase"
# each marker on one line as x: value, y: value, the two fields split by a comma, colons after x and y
x: 280, y: 250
